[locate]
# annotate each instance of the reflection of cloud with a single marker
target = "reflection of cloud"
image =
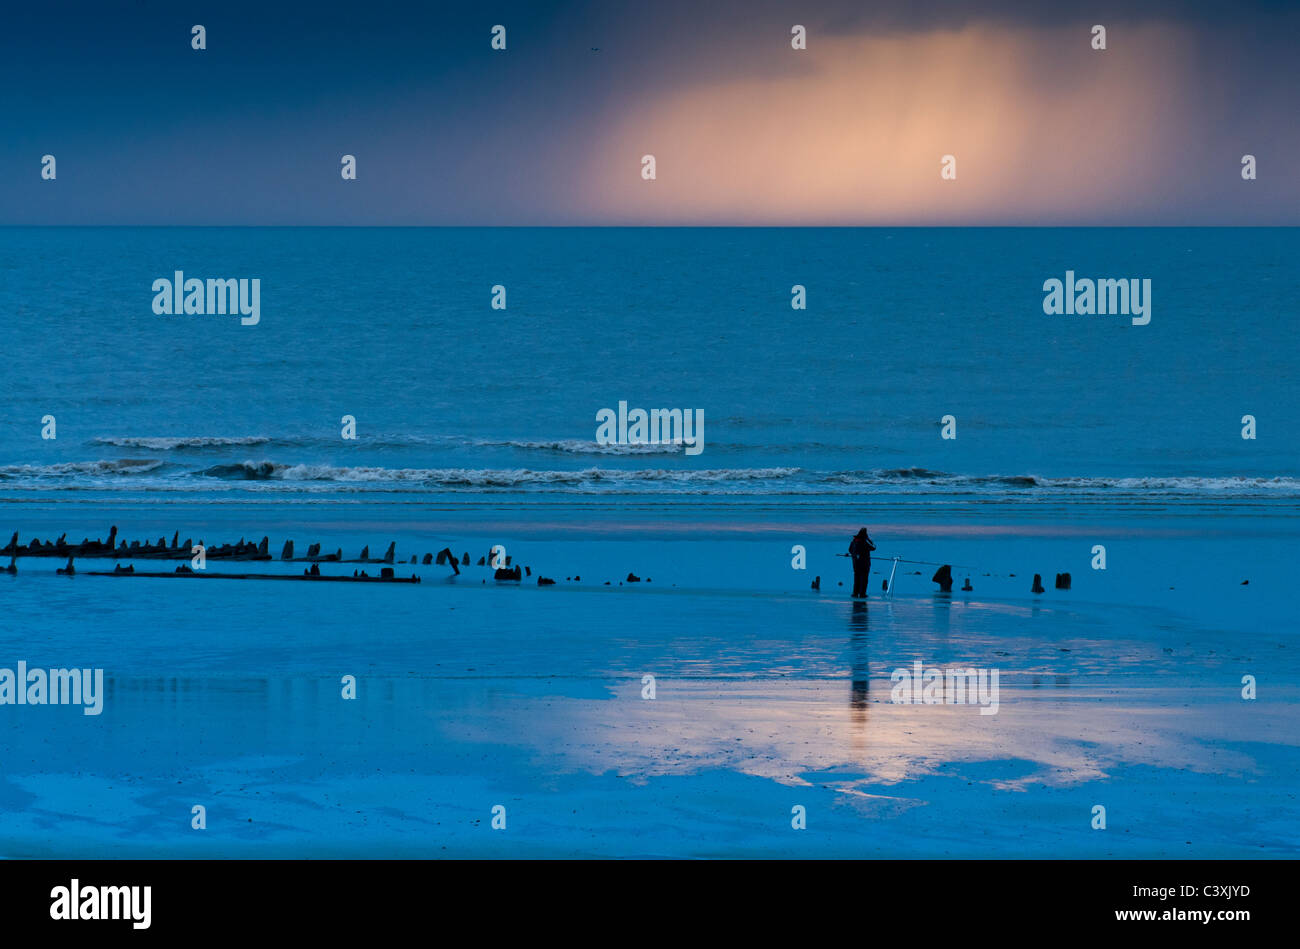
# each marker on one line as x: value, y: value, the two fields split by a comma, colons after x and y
x: 1043, y: 129
x: 792, y: 730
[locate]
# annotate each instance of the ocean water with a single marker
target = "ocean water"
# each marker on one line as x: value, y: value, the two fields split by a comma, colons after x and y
x: 843, y: 399
x: 477, y: 426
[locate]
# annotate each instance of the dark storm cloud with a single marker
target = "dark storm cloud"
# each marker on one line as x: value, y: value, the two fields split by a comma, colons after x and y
x: 147, y: 130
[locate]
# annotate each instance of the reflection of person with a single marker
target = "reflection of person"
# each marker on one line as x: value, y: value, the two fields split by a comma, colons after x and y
x: 860, y: 549
x: 860, y: 681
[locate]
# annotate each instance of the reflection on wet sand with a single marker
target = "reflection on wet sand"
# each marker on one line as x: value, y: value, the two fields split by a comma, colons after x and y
x: 860, y: 679
x: 789, y: 730
x: 289, y: 752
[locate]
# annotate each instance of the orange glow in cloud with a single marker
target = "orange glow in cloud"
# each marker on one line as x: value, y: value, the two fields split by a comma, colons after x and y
x: 1043, y: 128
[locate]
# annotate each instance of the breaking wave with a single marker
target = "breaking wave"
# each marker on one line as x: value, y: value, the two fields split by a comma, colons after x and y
x: 563, y: 446
x: 483, y: 477
x: 578, y: 446
x: 123, y: 468
x: 151, y: 474
x: 164, y: 443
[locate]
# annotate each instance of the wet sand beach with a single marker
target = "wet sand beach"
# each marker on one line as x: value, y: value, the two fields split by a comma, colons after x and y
x: 472, y: 693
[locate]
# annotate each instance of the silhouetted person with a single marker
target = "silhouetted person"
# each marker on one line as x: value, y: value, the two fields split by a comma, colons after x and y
x: 860, y: 549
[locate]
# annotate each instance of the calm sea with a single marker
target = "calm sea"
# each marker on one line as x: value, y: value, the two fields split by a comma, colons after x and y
x: 903, y: 327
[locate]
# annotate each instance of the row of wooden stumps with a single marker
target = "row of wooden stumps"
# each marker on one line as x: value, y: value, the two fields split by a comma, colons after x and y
x: 943, y: 577
x: 162, y: 550
x: 184, y: 571
x: 116, y: 549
